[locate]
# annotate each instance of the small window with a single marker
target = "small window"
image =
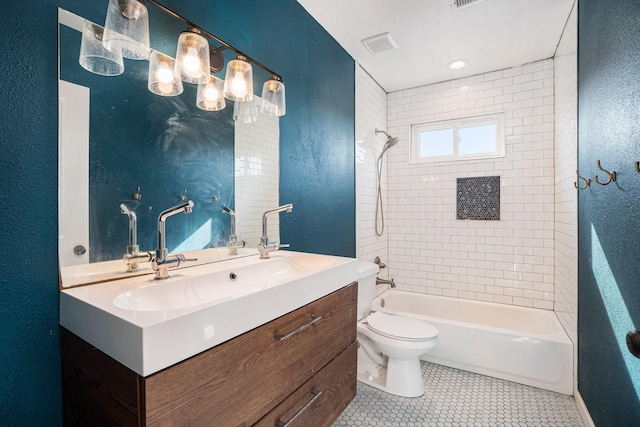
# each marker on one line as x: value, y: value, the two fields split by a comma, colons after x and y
x: 468, y: 138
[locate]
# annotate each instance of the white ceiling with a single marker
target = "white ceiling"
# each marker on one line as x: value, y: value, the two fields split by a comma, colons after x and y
x: 490, y: 34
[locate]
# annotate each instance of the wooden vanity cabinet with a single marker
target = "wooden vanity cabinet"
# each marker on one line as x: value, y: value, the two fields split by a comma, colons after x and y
x: 301, y: 365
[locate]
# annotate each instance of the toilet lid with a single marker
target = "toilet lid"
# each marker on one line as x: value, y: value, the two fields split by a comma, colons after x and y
x: 401, y: 327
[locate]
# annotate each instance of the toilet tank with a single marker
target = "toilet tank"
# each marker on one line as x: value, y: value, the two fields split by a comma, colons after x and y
x: 367, y: 272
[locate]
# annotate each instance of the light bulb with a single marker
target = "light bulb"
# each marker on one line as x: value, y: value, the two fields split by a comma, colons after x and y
x: 238, y: 84
x: 211, y: 93
x: 165, y: 74
x: 191, y: 63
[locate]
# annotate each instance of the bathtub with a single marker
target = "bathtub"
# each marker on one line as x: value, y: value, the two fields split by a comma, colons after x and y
x: 519, y: 344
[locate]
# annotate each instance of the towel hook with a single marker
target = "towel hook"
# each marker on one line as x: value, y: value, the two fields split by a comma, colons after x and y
x: 612, y: 175
x: 637, y: 164
x: 587, y: 182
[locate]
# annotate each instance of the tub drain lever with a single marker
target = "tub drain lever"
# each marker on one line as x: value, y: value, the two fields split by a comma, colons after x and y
x: 381, y: 264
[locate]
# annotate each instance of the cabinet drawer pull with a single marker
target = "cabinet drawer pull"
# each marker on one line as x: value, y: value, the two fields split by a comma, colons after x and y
x: 316, y: 394
x: 282, y: 337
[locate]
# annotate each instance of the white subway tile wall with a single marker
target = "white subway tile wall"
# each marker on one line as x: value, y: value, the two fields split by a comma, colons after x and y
x: 566, y: 197
x: 508, y: 261
x: 371, y: 114
x: 257, y: 173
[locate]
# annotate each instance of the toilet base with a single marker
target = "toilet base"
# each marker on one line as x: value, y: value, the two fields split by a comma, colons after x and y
x: 404, y: 379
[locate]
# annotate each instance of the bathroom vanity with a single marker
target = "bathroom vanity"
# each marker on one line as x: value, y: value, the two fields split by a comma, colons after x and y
x: 296, y: 369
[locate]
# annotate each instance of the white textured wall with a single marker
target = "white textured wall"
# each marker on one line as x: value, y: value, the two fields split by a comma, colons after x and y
x: 509, y: 261
x: 371, y: 114
x: 566, y: 196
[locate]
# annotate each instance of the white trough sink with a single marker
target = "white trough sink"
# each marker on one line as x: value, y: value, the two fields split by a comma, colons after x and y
x: 148, y: 325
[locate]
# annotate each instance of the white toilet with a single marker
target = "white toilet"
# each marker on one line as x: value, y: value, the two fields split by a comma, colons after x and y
x: 390, y: 345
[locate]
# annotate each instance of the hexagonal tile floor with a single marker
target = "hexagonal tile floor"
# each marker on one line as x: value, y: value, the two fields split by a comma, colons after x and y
x: 459, y: 398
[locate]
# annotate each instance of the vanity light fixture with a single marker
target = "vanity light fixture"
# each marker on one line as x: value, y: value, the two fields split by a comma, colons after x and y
x: 192, y: 56
x: 238, y: 81
x: 126, y: 28
x: 245, y: 111
x: 164, y: 78
x: 94, y: 56
x: 273, y: 99
x: 210, y: 95
x: 126, y: 33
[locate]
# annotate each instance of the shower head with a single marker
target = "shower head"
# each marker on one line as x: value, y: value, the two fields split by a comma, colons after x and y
x: 381, y: 131
x: 391, y: 141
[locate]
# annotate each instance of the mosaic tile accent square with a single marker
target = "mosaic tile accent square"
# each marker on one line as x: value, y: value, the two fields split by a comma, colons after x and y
x: 478, y: 198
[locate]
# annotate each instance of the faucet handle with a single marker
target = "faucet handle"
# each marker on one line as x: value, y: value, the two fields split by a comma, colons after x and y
x: 182, y: 258
x: 171, y: 261
x: 265, y: 248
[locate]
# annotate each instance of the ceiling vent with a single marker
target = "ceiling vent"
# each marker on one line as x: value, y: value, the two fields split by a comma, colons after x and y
x: 460, y: 4
x: 380, y: 43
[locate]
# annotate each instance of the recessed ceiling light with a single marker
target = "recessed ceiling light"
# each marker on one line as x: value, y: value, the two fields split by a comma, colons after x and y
x: 457, y: 64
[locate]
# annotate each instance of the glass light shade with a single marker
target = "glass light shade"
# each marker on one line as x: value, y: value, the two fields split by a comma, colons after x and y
x: 94, y: 56
x: 238, y: 81
x: 126, y: 28
x: 245, y: 112
x: 210, y: 95
x: 192, y: 57
x: 163, y: 77
x: 273, y: 100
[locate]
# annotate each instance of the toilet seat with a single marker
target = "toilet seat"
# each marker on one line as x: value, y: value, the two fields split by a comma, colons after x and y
x: 401, y: 327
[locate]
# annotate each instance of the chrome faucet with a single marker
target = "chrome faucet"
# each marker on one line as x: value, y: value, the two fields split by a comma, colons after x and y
x: 133, y: 256
x: 162, y: 260
x: 233, y: 244
x: 265, y: 247
x: 380, y: 281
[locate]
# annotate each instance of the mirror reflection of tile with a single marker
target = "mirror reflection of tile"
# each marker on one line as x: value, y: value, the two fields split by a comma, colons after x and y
x: 478, y: 198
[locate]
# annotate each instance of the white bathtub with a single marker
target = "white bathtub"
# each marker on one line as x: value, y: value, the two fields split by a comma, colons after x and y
x: 519, y: 344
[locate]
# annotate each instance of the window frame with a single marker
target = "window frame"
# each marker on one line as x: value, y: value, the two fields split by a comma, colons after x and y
x: 497, y: 119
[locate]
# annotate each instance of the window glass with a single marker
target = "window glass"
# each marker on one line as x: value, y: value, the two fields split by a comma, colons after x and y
x: 436, y: 143
x: 477, y: 140
x: 459, y: 139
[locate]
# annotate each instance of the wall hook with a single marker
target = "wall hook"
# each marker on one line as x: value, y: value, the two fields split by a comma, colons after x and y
x: 612, y: 175
x: 587, y: 182
x: 137, y: 195
x: 637, y: 164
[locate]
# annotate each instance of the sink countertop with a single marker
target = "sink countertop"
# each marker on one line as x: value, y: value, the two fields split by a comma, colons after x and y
x: 200, y: 307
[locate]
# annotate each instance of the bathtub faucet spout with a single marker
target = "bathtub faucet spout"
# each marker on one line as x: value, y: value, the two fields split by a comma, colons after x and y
x: 380, y: 281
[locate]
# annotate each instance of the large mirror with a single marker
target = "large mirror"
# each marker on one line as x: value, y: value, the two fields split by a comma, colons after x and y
x: 124, y: 149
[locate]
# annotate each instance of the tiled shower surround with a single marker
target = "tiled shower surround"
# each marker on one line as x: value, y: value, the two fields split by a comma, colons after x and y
x: 508, y: 261
x: 566, y: 197
x: 371, y: 114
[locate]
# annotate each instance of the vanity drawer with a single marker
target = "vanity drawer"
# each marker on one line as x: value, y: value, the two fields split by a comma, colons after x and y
x: 236, y: 383
x: 319, y: 401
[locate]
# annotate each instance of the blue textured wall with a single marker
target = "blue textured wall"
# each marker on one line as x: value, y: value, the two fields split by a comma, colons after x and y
x: 609, y: 217
x: 317, y: 167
